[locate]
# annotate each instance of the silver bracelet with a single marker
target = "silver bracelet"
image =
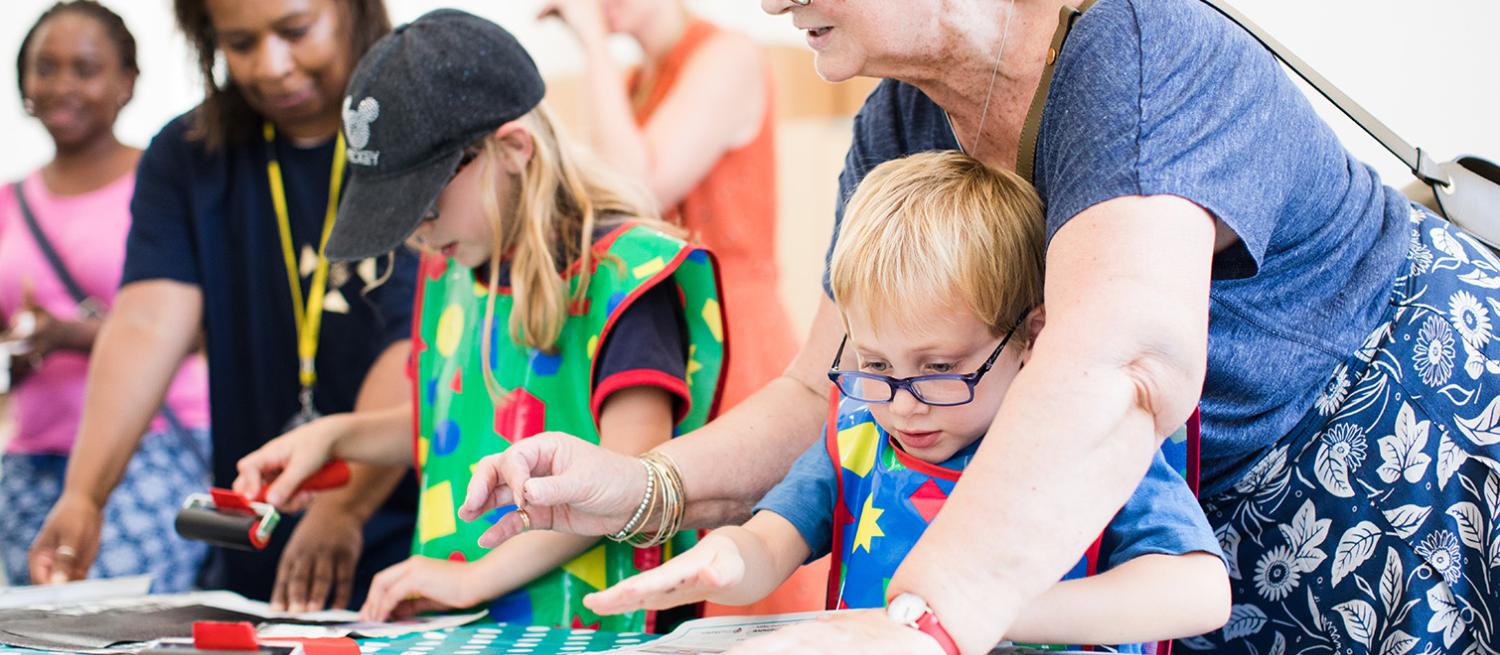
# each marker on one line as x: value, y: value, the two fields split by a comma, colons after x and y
x: 640, y: 512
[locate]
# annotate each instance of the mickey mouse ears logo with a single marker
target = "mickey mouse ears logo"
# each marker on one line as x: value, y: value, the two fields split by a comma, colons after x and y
x: 357, y: 129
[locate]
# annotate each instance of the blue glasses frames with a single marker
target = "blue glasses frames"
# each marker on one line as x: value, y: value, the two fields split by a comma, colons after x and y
x: 937, y: 390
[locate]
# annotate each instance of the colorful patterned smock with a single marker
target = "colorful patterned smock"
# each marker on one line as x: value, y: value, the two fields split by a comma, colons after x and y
x: 458, y: 423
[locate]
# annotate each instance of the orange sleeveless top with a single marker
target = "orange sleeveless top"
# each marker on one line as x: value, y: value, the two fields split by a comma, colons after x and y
x: 733, y: 212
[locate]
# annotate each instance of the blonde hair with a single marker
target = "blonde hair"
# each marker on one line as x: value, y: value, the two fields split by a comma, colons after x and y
x: 944, y: 226
x: 562, y: 194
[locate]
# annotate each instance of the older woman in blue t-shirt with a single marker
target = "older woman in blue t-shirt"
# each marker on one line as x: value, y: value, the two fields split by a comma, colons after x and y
x: 1210, y: 243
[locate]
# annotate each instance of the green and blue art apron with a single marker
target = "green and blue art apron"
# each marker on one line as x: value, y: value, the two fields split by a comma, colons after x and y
x: 458, y: 422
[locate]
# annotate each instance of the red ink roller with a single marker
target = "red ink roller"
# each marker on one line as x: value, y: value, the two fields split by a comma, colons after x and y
x: 225, y: 518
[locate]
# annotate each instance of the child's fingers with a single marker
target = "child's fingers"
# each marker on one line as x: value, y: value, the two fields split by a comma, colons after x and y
x: 406, y: 588
x: 300, y: 501
x: 651, y: 587
x: 250, y: 467
x: 293, y: 474
x: 410, y: 608
x: 662, y: 594
x: 407, y: 608
x: 380, y: 590
x: 380, y: 586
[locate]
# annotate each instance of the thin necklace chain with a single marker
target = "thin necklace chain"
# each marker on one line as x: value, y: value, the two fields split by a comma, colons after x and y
x: 994, y: 72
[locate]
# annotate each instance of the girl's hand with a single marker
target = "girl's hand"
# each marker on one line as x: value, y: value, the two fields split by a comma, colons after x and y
x: 584, y: 17
x: 286, y: 461
x: 419, y: 585
x: 568, y: 485
x: 712, y: 566
x: 868, y: 632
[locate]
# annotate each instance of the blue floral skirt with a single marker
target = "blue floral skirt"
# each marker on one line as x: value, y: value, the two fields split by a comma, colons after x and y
x: 138, y: 536
x: 1374, y: 526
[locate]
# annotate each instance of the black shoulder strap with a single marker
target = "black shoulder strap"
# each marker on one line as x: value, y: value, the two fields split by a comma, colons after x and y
x: 47, y: 250
x: 1415, y: 159
x: 77, y: 292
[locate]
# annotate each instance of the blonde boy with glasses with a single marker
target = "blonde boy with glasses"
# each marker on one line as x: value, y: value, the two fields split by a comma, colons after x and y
x: 938, y: 276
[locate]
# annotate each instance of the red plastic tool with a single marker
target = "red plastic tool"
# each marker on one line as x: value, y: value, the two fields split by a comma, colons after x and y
x: 230, y: 519
x: 240, y: 636
x: 223, y: 635
x: 333, y: 475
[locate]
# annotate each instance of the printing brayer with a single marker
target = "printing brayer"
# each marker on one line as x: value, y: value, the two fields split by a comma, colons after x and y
x: 226, y: 518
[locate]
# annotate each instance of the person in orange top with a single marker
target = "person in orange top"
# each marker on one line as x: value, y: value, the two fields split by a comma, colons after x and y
x: 695, y: 124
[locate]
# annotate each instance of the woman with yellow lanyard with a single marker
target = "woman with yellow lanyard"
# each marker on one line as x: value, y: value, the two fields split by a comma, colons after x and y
x: 232, y: 205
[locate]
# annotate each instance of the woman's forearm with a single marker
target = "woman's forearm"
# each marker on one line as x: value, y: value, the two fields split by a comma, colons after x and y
x: 1031, y: 500
x: 523, y: 558
x: 1149, y: 598
x: 613, y: 132
x: 138, y: 351
x: 729, y: 464
x: 377, y: 436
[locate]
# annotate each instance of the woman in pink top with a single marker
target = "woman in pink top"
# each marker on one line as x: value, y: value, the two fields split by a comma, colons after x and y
x: 76, y: 71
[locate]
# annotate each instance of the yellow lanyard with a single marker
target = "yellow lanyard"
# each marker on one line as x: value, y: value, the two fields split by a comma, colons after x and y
x: 309, y: 317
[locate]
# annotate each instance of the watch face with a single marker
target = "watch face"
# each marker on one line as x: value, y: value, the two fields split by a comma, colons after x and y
x: 906, y: 608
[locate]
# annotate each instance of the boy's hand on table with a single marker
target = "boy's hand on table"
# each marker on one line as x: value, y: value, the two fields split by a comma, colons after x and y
x: 319, y: 559
x: 713, y: 566
x: 418, y: 585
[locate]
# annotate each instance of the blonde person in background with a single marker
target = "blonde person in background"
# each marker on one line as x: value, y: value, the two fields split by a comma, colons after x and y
x: 695, y: 123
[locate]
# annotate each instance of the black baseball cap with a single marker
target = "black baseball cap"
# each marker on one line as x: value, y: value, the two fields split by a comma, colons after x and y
x: 417, y: 98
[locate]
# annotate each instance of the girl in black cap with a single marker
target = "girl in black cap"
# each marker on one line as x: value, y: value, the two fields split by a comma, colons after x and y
x: 551, y: 298
x: 230, y: 201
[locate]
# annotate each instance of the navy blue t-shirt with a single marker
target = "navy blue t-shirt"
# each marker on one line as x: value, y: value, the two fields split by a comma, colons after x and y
x: 1160, y: 517
x: 1168, y: 98
x: 206, y: 219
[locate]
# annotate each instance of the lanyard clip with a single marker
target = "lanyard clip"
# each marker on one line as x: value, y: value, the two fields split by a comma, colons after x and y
x: 307, y: 412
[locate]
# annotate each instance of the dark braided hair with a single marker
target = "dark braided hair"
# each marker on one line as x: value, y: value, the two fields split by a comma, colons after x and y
x: 225, y: 115
x: 114, y: 26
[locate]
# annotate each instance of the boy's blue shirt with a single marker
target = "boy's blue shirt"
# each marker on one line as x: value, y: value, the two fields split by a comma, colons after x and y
x: 1160, y: 517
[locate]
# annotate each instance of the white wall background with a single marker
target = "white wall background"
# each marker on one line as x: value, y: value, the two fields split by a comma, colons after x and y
x: 1425, y: 67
